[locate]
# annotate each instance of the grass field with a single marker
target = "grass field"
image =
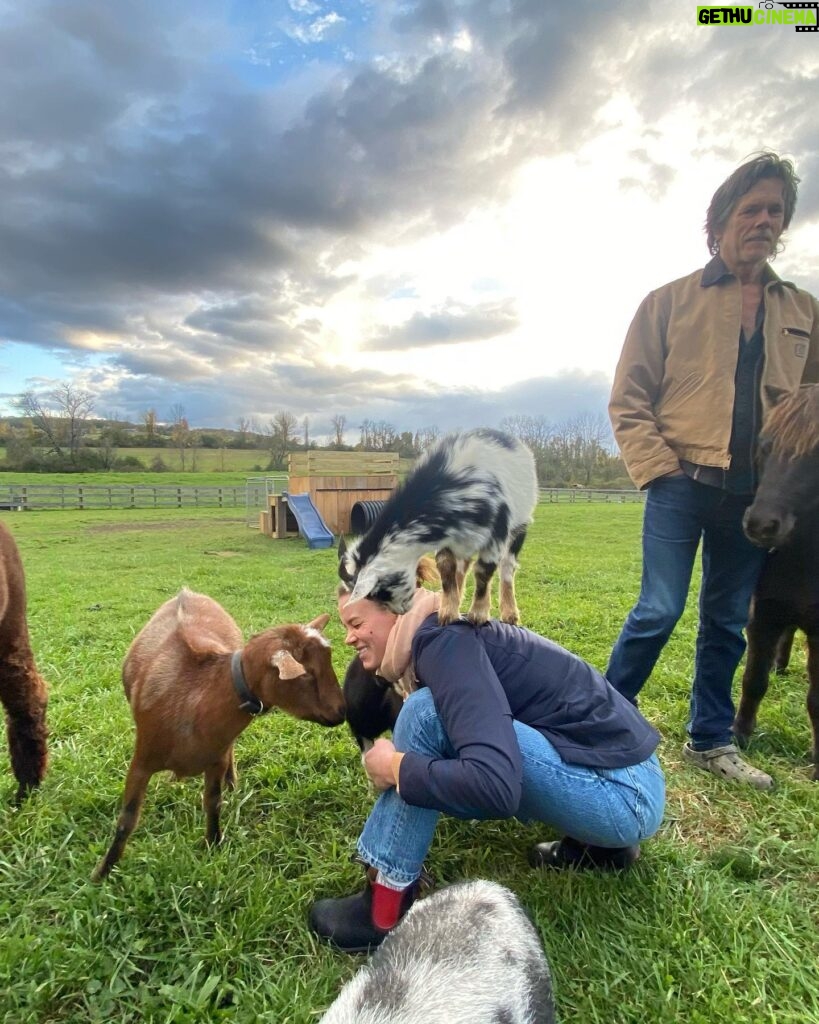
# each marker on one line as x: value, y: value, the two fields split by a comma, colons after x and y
x: 205, y: 460
x: 717, y: 923
x: 198, y: 479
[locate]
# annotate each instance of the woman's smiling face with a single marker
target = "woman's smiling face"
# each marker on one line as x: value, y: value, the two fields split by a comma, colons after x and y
x: 368, y: 627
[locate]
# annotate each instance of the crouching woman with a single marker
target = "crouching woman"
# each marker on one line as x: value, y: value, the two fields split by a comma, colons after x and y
x: 500, y: 723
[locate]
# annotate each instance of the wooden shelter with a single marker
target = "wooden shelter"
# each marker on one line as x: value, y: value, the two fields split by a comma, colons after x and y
x: 335, y: 481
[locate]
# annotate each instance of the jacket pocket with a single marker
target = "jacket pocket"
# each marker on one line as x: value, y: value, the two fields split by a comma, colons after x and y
x: 795, y: 332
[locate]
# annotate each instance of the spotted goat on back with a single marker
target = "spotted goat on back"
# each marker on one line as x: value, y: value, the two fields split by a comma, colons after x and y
x: 469, y: 496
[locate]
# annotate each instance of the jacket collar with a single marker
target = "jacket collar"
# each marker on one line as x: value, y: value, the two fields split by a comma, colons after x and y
x: 715, y: 271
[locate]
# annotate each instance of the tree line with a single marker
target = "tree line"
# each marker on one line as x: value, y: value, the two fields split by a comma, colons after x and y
x: 58, y: 431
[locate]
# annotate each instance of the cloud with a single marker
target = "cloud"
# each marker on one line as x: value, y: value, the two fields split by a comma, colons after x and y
x: 448, y: 325
x: 189, y: 214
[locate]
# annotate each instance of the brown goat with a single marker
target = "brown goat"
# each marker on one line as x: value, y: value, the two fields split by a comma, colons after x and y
x: 22, y: 690
x: 193, y: 688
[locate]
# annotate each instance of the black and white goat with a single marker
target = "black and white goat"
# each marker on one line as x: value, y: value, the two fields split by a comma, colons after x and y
x: 469, y: 496
x: 372, y: 704
x: 465, y: 953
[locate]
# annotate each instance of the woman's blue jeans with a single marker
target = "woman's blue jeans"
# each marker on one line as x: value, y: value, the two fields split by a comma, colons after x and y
x: 611, y: 807
x: 678, y: 513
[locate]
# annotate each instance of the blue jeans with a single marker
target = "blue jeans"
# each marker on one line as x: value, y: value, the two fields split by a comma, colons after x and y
x: 678, y: 513
x: 611, y: 807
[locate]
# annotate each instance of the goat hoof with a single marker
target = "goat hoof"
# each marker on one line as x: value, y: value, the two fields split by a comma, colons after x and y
x: 478, y: 618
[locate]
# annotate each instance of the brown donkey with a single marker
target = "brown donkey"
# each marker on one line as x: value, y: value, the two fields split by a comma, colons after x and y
x: 784, y: 518
x: 22, y: 690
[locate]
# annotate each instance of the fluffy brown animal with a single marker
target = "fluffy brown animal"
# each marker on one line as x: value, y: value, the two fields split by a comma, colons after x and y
x: 193, y: 688
x: 22, y: 690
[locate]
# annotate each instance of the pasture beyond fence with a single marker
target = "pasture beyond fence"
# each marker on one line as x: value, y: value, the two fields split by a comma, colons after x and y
x: 252, y: 496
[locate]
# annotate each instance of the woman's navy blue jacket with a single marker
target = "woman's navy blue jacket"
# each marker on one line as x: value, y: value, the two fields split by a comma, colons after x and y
x: 484, y: 677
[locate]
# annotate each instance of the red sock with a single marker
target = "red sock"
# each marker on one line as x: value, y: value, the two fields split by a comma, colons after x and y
x: 386, y: 906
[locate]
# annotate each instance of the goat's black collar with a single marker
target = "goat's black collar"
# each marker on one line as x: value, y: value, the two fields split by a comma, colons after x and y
x: 250, y: 702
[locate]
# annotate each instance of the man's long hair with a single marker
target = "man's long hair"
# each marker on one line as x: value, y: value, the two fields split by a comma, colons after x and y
x: 743, y: 179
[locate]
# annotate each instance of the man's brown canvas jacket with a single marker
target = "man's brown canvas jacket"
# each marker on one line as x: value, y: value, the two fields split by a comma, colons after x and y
x: 673, y: 392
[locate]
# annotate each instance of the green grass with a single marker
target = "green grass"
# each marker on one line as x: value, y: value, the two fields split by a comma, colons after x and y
x: 717, y: 922
x: 172, y: 478
x: 207, y: 460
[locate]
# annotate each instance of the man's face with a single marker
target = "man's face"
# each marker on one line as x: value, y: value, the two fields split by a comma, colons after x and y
x: 754, y: 226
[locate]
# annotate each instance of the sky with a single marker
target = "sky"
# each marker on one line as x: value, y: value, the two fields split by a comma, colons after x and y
x: 435, y: 214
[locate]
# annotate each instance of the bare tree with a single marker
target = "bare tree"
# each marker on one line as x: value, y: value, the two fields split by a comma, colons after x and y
x: 590, y: 435
x: 243, y: 426
x: 61, y: 416
x: 149, y: 419
x: 76, y: 407
x: 339, y: 423
x: 425, y: 437
x: 180, y: 432
x: 378, y: 436
x: 42, y: 419
x: 282, y: 432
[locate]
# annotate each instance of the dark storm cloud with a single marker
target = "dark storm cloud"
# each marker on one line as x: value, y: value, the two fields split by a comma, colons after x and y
x: 249, y: 322
x: 161, y: 171
x: 452, y: 324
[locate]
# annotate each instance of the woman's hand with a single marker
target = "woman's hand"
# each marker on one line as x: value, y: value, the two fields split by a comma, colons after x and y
x: 381, y: 763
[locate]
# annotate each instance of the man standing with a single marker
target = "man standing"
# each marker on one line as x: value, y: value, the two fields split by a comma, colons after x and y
x: 705, y: 358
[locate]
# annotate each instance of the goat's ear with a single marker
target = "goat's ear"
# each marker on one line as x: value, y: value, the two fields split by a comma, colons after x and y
x: 287, y: 666
x: 319, y: 623
x: 342, y: 546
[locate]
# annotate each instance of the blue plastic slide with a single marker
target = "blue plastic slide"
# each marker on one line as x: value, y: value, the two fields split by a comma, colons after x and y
x: 311, y: 526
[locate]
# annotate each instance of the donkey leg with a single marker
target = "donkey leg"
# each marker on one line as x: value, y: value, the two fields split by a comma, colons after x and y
x: 447, y: 565
x: 783, y: 650
x: 481, y: 601
x: 136, y: 784
x: 25, y: 698
x: 813, y: 698
x: 762, y: 639
x: 212, y: 797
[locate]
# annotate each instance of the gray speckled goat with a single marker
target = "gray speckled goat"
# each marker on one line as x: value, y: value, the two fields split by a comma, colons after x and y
x: 468, y: 954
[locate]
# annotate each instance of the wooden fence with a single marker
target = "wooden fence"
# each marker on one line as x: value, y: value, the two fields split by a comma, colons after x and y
x: 26, y: 497
x: 582, y: 495
x: 253, y: 496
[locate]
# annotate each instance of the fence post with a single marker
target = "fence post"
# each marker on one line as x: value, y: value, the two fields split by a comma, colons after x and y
x: 80, y: 497
x: 179, y: 497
